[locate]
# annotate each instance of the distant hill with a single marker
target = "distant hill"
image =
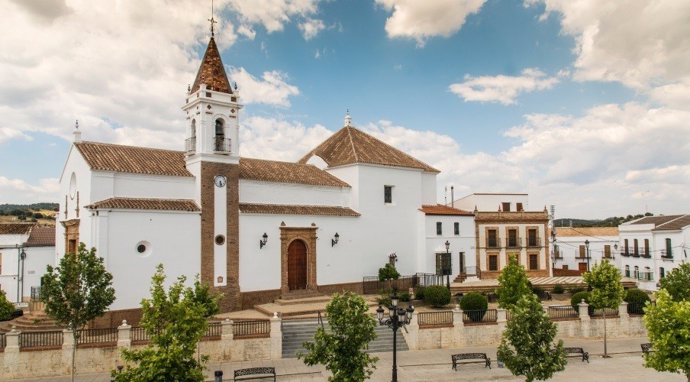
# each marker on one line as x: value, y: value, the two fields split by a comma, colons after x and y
x: 41, y: 213
x: 614, y: 221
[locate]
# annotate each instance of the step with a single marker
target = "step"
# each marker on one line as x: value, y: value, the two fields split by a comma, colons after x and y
x: 305, y: 300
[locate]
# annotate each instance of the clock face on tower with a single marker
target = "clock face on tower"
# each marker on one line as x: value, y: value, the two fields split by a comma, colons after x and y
x: 220, y: 180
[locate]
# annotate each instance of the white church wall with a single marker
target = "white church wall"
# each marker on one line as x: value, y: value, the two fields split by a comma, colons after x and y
x: 171, y: 238
x: 428, y: 188
x: 349, y: 175
x: 37, y: 258
x: 148, y: 186
x: 285, y: 193
x: 9, y: 272
x: 463, y: 242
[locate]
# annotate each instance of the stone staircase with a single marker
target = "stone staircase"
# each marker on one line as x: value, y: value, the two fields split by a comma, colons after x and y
x: 30, y: 322
x: 296, y: 332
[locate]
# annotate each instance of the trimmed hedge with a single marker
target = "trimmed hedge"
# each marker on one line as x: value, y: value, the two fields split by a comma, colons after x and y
x: 476, y: 304
x: 419, y: 293
x: 577, y: 298
x: 558, y: 289
x: 437, y: 296
x: 636, y: 299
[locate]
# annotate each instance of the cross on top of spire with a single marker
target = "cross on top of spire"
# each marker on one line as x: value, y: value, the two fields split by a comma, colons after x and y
x: 212, y: 20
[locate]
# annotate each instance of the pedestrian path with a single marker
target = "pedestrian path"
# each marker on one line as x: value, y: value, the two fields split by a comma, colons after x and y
x: 626, y: 365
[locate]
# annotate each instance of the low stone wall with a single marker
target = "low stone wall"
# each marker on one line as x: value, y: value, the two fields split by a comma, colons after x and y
x: 462, y: 335
x: 32, y: 363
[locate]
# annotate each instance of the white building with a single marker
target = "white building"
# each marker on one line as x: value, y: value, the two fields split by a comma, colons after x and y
x: 652, y: 246
x: 579, y: 248
x: 254, y: 229
x: 25, y: 251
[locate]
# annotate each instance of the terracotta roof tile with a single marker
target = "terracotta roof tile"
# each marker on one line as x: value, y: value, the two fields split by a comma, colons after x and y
x: 516, y: 216
x: 286, y: 172
x: 15, y: 228
x: 656, y: 220
x: 131, y: 159
x: 675, y: 224
x: 211, y: 71
x: 283, y: 209
x: 146, y: 204
x: 41, y: 237
x: 586, y: 231
x: 440, y: 209
x: 350, y: 145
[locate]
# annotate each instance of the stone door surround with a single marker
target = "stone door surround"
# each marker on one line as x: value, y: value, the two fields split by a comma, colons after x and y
x: 308, y: 236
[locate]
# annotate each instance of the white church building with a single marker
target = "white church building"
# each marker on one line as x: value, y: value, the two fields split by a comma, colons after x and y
x: 254, y: 229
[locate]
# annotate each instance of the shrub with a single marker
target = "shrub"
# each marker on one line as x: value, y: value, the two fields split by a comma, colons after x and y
x: 476, y: 304
x: 388, y: 272
x: 539, y: 292
x: 6, y: 307
x: 404, y: 296
x: 575, y: 290
x: 437, y: 296
x: 419, y: 293
x: 577, y: 298
x: 558, y: 289
x: 384, y: 300
x: 636, y: 300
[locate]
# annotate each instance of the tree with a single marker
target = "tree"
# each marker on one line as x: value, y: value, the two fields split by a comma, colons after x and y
x: 78, y: 290
x: 341, y: 349
x: 512, y: 284
x: 175, y: 322
x: 6, y: 307
x: 527, y: 346
x: 607, y: 291
x: 667, y: 325
x: 676, y: 283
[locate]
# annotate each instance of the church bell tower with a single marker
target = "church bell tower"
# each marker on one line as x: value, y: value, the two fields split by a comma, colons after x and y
x: 212, y: 156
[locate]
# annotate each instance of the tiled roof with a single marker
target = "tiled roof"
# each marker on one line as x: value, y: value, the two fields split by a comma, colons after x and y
x: 146, y: 204
x: 41, y: 237
x: 440, y: 209
x: 674, y: 225
x: 350, y: 145
x: 131, y: 159
x: 656, y: 220
x: 283, y: 209
x: 15, y: 228
x: 587, y: 231
x: 211, y: 71
x: 286, y: 172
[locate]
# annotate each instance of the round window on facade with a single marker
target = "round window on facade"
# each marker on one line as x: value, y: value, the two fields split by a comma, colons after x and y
x: 220, y: 239
x: 73, y: 186
x: 143, y: 248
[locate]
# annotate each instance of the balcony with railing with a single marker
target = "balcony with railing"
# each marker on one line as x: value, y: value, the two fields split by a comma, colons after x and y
x: 666, y: 254
x: 222, y: 145
x: 644, y: 275
x: 533, y: 242
x: 493, y: 243
x: 625, y: 253
x: 513, y: 243
x: 190, y: 145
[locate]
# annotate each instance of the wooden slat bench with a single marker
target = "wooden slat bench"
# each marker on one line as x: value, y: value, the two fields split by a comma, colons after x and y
x: 255, y: 373
x: 462, y: 356
x: 646, y: 348
x: 577, y: 352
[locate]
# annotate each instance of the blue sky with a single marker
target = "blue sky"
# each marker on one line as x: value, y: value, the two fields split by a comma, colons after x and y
x: 581, y: 105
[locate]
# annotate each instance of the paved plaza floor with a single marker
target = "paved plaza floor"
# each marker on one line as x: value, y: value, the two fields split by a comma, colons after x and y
x: 625, y: 365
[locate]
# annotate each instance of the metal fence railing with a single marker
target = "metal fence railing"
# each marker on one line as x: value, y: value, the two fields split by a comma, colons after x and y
x: 214, y: 331
x: 562, y: 312
x: 3, y: 342
x: 251, y: 329
x: 479, y: 316
x: 372, y: 285
x: 139, y: 335
x: 43, y: 340
x: 36, y: 293
x: 636, y: 308
x: 600, y: 313
x: 97, y: 337
x: 435, y: 319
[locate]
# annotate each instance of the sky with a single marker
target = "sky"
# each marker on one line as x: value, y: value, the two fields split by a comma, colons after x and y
x: 584, y: 105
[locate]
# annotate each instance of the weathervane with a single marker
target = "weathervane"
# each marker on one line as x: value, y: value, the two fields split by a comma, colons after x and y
x: 212, y: 20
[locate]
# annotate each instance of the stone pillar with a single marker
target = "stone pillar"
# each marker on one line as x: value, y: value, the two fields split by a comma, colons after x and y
x: 11, y: 356
x: 458, y: 327
x: 623, y: 310
x: 12, y: 341
x: 624, y: 320
x: 501, y: 320
x: 276, y: 337
x: 68, y: 346
x: 226, y: 333
x: 412, y: 334
x: 227, y: 339
x: 583, y: 309
x: 124, y: 335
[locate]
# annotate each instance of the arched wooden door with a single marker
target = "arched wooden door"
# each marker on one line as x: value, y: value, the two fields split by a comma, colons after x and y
x: 297, y: 265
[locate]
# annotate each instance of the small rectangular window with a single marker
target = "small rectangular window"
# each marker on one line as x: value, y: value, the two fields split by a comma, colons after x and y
x: 662, y: 273
x: 565, y: 267
x: 636, y: 250
x: 388, y: 194
x: 493, y: 262
x: 625, y: 246
x: 532, y: 237
x: 646, y: 247
x: 506, y: 206
x: 512, y: 238
x: 582, y: 251
x: 519, y: 207
x: 456, y: 228
x: 607, y: 251
x: 533, y: 262
x: 669, y: 248
x: 439, y: 228
x: 492, y: 240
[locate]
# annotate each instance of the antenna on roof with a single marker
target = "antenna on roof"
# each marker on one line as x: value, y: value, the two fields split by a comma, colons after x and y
x: 212, y: 20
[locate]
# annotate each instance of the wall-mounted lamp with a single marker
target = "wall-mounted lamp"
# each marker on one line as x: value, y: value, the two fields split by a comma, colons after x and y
x: 335, y: 239
x: 615, y: 247
x: 263, y: 240
x: 447, y: 246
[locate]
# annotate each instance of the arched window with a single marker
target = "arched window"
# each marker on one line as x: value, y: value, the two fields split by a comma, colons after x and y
x: 636, y: 273
x: 647, y: 274
x: 219, y: 128
x: 627, y: 271
x: 193, y: 128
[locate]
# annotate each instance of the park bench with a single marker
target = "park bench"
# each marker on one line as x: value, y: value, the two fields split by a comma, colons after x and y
x: 646, y: 348
x: 255, y: 373
x: 577, y: 352
x: 462, y: 356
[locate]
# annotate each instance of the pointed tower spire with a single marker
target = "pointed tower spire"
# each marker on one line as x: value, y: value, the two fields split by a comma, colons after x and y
x: 211, y: 71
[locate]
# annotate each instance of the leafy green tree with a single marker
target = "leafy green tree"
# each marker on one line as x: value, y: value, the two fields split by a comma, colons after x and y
x: 341, y: 349
x: 175, y: 322
x: 607, y: 291
x: 668, y: 329
x: 527, y: 346
x: 388, y: 272
x: 677, y: 283
x: 512, y: 284
x: 78, y: 290
x: 6, y: 307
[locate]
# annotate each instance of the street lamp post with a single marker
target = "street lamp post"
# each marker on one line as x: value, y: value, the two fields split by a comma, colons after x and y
x: 448, y: 270
x: 587, y: 251
x: 397, y: 318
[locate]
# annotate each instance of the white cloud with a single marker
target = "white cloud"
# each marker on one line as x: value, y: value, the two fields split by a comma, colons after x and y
x: 272, y: 14
x: 7, y: 134
x: 502, y: 89
x: 420, y: 20
x: 638, y: 43
x: 271, y: 89
x: 19, y: 191
x: 311, y: 27
x: 277, y: 139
